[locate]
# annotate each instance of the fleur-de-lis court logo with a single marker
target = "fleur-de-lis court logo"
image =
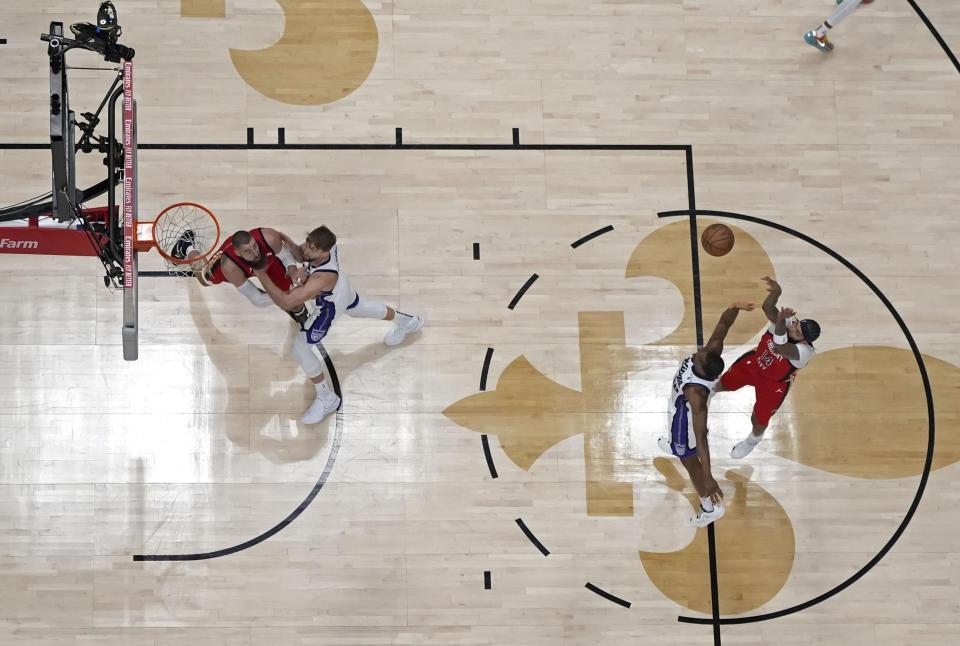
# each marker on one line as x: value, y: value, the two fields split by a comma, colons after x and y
x: 327, y: 50
x: 858, y: 412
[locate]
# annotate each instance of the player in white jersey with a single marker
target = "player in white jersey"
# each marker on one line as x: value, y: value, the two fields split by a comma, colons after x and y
x: 324, y: 285
x: 689, y: 396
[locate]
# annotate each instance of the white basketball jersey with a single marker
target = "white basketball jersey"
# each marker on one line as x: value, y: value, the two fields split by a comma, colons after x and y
x: 342, y: 295
x: 686, y: 376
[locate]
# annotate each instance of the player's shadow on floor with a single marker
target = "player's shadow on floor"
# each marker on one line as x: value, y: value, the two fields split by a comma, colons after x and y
x: 273, y: 426
x: 264, y: 421
x: 348, y: 362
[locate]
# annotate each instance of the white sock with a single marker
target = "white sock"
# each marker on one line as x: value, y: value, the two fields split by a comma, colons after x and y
x: 400, y: 319
x: 321, y: 388
x: 821, y: 31
x: 706, y: 504
x: 753, y: 439
x: 843, y: 10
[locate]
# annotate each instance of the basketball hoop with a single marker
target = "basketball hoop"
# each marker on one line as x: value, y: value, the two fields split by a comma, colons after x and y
x: 180, y: 227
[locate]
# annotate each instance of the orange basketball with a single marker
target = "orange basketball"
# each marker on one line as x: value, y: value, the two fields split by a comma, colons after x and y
x: 717, y: 239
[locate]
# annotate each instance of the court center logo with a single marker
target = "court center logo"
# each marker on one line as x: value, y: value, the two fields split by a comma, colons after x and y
x: 857, y: 412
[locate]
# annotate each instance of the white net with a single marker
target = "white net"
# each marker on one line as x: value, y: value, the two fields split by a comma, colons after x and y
x: 185, y: 234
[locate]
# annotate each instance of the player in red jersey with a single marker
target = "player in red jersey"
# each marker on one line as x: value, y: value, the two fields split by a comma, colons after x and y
x: 242, y: 253
x: 784, y: 348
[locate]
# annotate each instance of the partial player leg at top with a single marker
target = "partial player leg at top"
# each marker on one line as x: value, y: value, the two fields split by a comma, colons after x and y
x: 818, y: 37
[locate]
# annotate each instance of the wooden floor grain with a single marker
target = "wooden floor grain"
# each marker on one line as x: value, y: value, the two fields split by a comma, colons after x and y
x: 197, y: 446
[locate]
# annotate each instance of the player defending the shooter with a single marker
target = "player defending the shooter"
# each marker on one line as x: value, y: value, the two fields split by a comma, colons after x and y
x: 692, y: 385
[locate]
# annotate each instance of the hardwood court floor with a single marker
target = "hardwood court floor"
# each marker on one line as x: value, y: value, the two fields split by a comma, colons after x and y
x: 196, y: 447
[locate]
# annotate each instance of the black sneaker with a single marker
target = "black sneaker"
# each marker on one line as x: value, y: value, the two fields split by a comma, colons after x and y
x: 186, y: 240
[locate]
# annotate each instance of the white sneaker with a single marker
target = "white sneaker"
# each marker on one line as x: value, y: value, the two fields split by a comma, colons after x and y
x: 704, y: 518
x: 664, y: 443
x: 322, y: 406
x: 742, y: 449
x: 400, y: 332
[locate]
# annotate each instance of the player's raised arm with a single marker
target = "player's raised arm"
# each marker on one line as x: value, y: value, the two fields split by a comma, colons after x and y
x: 770, y: 302
x: 715, y: 343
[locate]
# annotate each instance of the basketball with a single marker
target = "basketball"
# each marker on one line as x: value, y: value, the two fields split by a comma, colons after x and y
x: 717, y: 239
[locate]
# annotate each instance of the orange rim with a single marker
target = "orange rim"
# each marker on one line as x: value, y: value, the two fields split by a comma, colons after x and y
x: 177, y: 261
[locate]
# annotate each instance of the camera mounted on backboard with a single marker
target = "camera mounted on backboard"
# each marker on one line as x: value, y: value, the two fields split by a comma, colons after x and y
x: 102, y: 37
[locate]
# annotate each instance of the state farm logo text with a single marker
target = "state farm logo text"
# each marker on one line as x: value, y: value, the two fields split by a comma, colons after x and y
x: 7, y: 243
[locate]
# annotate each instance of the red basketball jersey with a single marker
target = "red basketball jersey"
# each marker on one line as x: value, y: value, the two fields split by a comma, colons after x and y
x: 213, y: 271
x: 770, y: 365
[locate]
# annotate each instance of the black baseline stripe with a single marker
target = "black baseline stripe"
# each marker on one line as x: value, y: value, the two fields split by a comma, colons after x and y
x: 591, y: 236
x: 165, y: 274
x: 398, y: 137
x: 488, y: 456
x: 249, y: 138
x: 486, y: 368
x: 516, y: 136
x: 334, y: 449
x: 486, y: 580
x: 606, y: 595
x: 533, y: 539
x: 936, y: 34
x: 523, y: 290
x: 924, y: 477
x: 281, y: 136
x: 393, y: 146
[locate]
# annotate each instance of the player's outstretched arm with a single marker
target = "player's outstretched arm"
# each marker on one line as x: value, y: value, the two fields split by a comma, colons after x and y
x: 770, y: 302
x: 238, y: 279
x: 316, y: 284
x: 697, y: 397
x: 715, y: 343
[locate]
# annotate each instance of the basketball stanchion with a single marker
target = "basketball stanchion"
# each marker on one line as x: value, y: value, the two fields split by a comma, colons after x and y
x: 130, y: 330
x: 178, y: 229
